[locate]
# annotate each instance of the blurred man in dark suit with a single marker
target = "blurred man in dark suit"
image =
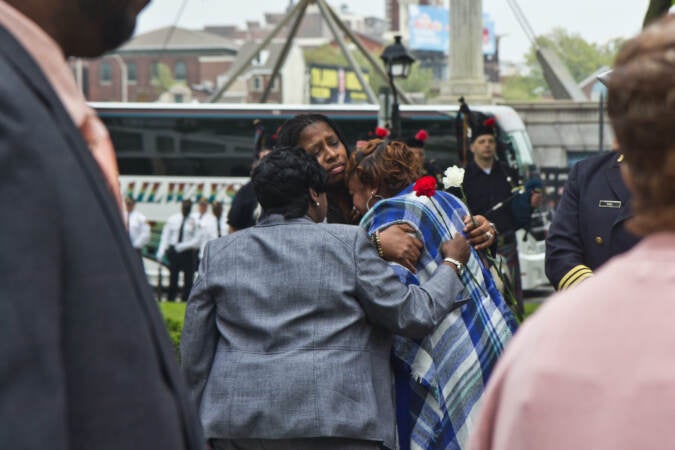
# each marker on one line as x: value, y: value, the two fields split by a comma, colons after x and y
x: 85, y: 361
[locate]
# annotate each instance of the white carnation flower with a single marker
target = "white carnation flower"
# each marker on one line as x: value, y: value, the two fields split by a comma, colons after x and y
x: 454, y: 177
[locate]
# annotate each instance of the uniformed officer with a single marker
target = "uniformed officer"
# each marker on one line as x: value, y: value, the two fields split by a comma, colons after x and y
x: 492, y: 189
x: 588, y: 226
x: 180, y: 243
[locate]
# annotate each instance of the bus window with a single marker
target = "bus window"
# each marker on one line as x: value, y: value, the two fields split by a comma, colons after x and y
x: 217, y: 140
x: 165, y: 144
x: 523, y: 147
x: 126, y: 141
x: 202, y: 148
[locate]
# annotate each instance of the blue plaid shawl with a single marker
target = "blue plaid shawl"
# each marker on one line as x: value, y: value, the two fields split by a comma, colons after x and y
x: 446, y: 372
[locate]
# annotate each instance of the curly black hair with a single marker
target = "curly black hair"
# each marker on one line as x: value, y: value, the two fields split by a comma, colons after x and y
x: 282, y: 181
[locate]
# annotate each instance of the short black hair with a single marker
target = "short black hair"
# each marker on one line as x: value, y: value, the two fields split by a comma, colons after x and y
x: 282, y: 181
x: 290, y: 132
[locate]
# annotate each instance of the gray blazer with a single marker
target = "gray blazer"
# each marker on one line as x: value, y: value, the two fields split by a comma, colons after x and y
x: 289, y: 327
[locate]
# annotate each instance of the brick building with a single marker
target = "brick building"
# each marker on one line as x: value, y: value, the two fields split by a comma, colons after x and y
x: 171, y: 63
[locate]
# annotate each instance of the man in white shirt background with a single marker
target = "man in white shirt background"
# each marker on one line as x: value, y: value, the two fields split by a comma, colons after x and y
x: 208, y: 226
x: 180, y: 242
x: 221, y: 220
x: 137, y: 226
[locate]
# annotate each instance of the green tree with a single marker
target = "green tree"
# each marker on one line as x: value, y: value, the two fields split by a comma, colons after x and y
x: 163, y: 78
x: 581, y: 57
x: 419, y: 80
x: 521, y: 88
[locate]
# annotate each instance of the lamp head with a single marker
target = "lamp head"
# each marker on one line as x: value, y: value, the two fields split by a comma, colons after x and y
x: 397, y: 59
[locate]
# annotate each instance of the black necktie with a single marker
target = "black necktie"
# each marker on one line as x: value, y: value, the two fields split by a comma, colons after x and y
x: 180, y: 233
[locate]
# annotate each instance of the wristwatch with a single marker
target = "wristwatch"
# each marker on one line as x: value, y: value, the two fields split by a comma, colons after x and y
x: 458, y: 265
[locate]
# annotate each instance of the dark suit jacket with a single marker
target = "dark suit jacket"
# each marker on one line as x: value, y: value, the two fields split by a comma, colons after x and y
x: 588, y: 226
x: 85, y: 361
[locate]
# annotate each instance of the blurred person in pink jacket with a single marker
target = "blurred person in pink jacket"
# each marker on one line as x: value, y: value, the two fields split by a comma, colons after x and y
x: 594, y: 369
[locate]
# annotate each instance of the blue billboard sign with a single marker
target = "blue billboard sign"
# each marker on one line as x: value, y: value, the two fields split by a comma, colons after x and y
x: 429, y: 28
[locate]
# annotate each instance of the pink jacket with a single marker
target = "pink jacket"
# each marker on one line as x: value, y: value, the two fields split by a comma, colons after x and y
x: 595, y: 368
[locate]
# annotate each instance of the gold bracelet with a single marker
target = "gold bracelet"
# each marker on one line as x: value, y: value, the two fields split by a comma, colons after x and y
x: 378, y: 244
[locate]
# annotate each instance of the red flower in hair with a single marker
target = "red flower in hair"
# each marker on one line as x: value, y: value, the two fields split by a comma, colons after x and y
x: 381, y: 132
x: 422, y: 135
x: 489, y: 122
x: 425, y: 186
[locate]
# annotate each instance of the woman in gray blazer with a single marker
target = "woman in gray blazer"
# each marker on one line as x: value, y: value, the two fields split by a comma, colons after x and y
x: 289, y: 327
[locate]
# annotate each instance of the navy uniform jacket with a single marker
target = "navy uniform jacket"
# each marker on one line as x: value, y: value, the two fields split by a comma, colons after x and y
x: 588, y: 227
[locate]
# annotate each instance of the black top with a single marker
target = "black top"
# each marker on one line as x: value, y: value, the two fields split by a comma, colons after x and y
x: 485, y: 191
x: 588, y: 226
x: 241, y: 213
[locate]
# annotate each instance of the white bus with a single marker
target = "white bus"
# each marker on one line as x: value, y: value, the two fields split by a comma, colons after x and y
x: 168, y: 152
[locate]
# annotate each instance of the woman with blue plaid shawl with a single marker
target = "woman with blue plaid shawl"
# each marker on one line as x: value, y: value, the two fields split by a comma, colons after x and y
x: 439, y: 379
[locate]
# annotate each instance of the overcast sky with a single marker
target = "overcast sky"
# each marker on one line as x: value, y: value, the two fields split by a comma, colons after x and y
x: 596, y: 20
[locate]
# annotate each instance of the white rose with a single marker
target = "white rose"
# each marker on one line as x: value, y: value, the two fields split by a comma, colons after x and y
x: 454, y: 177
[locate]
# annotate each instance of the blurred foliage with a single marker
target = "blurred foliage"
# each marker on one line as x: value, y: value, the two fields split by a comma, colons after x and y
x: 174, y: 315
x: 581, y: 57
x: 419, y: 80
x: 521, y: 88
x: 530, y: 308
x: 163, y: 78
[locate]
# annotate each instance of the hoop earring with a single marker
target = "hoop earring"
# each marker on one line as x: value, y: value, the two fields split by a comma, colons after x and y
x: 373, y: 196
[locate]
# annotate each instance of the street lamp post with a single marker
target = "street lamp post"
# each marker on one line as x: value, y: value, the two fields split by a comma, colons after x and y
x: 398, y: 62
x: 123, y: 75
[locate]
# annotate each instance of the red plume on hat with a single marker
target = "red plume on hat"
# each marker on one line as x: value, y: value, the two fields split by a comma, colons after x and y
x: 422, y: 136
x: 381, y: 132
x: 487, y: 126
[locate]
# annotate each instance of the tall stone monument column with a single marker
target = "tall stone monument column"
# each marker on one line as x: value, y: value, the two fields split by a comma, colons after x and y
x: 465, y: 61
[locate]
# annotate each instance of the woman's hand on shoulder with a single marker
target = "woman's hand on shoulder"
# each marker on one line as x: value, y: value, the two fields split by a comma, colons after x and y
x: 479, y: 231
x: 399, y: 245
